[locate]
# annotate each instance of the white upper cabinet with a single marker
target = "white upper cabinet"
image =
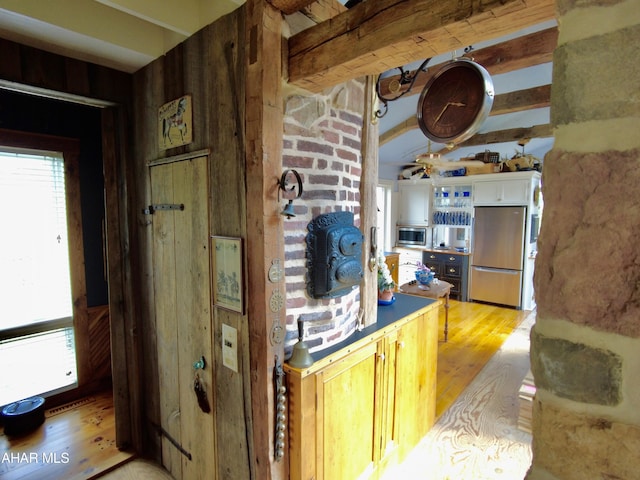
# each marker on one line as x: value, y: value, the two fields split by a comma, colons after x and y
x: 415, y: 203
x: 503, y: 192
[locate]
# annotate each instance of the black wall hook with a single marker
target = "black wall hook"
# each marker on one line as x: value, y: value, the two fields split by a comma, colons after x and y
x: 283, y: 183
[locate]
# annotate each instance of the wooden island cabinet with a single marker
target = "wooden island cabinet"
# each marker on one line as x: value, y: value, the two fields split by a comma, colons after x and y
x: 366, y: 403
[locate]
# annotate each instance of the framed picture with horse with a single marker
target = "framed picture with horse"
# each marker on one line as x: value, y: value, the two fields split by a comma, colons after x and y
x: 175, y: 123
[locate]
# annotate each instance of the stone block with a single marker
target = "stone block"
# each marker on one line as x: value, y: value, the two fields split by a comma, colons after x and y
x: 576, y: 371
x: 564, y: 6
x: 596, y: 78
x: 574, y: 446
x: 587, y: 268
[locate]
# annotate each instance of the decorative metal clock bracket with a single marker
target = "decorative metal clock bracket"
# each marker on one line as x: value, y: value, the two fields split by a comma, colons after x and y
x: 406, y: 78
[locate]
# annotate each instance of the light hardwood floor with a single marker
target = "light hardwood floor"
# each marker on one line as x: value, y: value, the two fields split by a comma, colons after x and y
x: 476, y: 332
x: 477, y: 437
x: 76, y: 442
x: 85, y: 433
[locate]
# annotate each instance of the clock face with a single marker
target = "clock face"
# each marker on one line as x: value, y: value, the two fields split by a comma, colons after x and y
x: 455, y: 102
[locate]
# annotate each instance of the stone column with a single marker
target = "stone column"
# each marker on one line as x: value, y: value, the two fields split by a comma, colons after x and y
x: 585, y: 349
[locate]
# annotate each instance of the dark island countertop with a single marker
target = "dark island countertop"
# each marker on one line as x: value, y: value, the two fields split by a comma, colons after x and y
x: 448, y: 251
x: 404, y: 306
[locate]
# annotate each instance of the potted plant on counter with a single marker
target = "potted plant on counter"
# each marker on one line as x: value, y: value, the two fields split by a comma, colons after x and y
x: 386, y: 284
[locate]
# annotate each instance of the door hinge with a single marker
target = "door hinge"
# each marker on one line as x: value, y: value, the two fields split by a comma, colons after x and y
x: 151, y: 209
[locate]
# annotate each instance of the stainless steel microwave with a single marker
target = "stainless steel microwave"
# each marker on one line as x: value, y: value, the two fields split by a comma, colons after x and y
x: 411, y: 236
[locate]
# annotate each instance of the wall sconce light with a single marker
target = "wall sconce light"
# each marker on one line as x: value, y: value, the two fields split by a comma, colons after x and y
x: 283, y: 183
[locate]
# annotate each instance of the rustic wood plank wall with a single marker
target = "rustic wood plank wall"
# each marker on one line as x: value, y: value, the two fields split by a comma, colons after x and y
x: 99, y: 341
x: 31, y: 67
x: 123, y: 274
x: 210, y: 67
x: 34, y: 71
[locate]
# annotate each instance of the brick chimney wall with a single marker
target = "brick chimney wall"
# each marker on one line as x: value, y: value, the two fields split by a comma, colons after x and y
x: 585, y: 348
x: 322, y: 142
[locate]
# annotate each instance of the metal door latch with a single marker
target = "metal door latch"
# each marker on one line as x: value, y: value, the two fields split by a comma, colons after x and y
x: 151, y: 209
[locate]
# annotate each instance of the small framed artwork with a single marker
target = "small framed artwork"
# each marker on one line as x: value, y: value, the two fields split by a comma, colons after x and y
x: 226, y: 259
x: 175, y: 123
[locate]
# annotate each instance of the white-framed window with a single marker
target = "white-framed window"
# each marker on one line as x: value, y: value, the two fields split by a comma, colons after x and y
x: 37, y: 345
x: 384, y: 193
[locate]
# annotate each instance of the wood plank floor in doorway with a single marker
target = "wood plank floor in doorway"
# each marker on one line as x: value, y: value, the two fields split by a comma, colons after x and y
x: 476, y: 332
x: 76, y: 442
x: 85, y: 430
x: 477, y: 437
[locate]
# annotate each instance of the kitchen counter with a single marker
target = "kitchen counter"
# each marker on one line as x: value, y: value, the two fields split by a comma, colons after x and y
x: 431, y: 249
x: 452, y: 251
x: 404, y: 308
x: 376, y: 393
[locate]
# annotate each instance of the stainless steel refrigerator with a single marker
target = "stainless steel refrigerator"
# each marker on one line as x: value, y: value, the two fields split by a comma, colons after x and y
x: 498, y: 255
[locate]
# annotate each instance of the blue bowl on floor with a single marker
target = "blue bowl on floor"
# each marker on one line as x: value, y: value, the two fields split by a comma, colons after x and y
x: 424, y: 278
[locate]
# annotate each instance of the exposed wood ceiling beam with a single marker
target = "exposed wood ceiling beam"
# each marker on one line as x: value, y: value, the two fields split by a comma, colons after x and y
x: 499, y: 136
x: 309, y: 16
x: 537, y: 97
x: 290, y: 6
x: 522, y: 52
x: 322, y: 10
x: 409, y: 124
x: 505, y: 136
x: 373, y: 37
x: 520, y: 100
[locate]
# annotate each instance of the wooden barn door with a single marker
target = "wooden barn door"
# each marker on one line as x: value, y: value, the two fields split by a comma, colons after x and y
x: 183, y: 317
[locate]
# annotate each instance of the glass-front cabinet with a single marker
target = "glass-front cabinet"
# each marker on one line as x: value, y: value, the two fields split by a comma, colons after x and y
x: 452, y: 217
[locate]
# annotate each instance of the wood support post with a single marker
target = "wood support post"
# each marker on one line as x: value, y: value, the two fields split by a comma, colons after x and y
x: 265, y: 232
x: 368, y: 208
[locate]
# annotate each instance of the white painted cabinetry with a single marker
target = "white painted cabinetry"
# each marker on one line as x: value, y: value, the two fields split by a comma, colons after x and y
x: 409, y: 257
x: 502, y: 192
x: 423, y: 202
x: 415, y: 202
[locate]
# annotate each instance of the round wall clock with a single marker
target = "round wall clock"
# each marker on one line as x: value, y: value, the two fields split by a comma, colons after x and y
x: 455, y: 102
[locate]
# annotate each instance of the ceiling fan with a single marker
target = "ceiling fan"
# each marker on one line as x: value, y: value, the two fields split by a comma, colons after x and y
x: 422, y: 163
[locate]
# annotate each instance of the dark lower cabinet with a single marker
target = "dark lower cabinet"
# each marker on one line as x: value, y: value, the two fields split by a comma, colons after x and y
x: 452, y: 268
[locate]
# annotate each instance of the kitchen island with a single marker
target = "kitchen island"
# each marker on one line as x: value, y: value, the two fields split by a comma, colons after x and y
x: 449, y: 265
x: 365, y: 403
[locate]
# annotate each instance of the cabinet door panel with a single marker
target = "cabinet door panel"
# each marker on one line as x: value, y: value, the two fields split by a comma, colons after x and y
x: 505, y: 192
x: 416, y: 363
x: 415, y: 204
x: 516, y: 192
x: 343, y: 420
x: 487, y: 193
